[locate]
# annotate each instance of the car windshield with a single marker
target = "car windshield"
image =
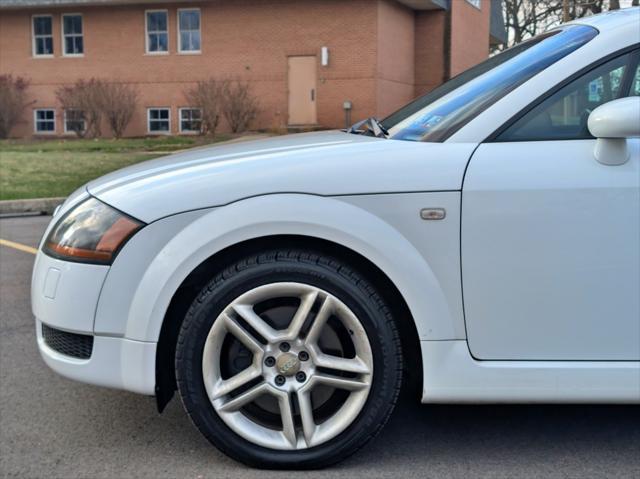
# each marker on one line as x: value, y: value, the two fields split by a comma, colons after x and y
x: 436, y: 116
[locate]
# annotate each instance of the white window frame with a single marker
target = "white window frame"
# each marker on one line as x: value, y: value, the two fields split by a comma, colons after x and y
x: 475, y: 3
x: 35, y: 121
x: 188, y: 132
x: 146, y: 31
x: 149, y: 132
x: 180, y: 50
x: 34, y: 52
x: 66, y: 130
x: 64, y: 35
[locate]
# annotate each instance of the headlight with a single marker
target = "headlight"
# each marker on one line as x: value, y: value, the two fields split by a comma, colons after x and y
x: 92, y: 232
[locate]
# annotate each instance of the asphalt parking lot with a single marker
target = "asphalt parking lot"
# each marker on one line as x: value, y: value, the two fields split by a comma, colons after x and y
x: 52, y: 427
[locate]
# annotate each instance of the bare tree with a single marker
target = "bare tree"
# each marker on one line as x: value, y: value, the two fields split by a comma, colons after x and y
x: 118, y: 103
x: 207, y: 95
x: 13, y: 101
x: 614, y: 4
x: 86, y: 97
x: 527, y: 18
x: 240, y: 106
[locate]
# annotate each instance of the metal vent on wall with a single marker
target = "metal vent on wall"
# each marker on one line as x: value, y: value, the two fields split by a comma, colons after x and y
x: 74, y: 345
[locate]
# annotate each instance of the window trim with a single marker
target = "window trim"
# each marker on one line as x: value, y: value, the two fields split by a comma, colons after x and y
x: 63, y: 35
x: 149, y: 132
x: 35, y: 121
x: 146, y: 31
x: 494, y: 137
x: 629, y: 76
x: 188, y: 132
x: 179, y: 31
x: 34, y: 53
x: 64, y: 121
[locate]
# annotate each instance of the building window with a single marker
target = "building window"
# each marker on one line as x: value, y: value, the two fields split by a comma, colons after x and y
x: 45, y: 120
x: 189, y: 30
x: 42, y: 35
x: 190, y: 120
x: 159, y: 120
x: 72, y: 41
x: 475, y: 3
x: 157, y: 31
x: 74, y: 121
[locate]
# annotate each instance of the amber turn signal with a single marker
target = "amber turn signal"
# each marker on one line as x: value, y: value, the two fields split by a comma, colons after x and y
x: 92, y: 232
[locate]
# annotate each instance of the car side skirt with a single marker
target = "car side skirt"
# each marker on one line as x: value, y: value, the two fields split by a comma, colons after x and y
x: 452, y: 375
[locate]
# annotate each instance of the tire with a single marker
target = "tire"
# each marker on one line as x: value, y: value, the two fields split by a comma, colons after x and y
x: 356, y: 409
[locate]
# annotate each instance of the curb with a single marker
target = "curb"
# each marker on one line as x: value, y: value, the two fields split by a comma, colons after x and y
x: 38, y: 206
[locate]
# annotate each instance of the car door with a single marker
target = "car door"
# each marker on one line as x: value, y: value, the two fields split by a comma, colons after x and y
x: 550, y: 244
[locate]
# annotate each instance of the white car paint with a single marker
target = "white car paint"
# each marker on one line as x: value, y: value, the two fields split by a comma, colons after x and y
x: 366, y: 194
x: 322, y: 163
x: 550, y: 256
x: 123, y: 309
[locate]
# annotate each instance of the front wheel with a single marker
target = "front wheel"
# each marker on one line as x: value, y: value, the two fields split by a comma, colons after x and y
x: 289, y: 359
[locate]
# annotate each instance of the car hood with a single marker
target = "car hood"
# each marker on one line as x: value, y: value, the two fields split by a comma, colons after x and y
x: 322, y: 163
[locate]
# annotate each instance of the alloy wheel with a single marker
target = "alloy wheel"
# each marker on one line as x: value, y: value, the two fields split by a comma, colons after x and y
x: 307, y: 369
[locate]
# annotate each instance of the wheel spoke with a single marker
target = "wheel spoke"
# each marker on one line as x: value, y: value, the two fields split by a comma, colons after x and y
x: 256, y: 322
x: 286, y: 415
x: 306, y: 414
x: 340, y: 383
x: 302, y: 313
x: 354, y: 365
x: 317, y: 316
x: 242, y: 335
x: 246, y: 397
x: 226, y: 386
x: 320, y: 320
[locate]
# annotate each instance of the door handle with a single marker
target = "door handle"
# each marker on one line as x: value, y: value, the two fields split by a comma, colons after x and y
x: 313, y: 94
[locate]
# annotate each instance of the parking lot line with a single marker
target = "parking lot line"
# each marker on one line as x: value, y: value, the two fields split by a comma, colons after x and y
x: 18, y: 246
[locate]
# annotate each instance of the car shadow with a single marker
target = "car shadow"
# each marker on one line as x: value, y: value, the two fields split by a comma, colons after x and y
x: 478, y: 439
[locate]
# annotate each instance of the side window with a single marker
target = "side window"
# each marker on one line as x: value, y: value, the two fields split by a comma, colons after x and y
x: 44, y: 120
x: 189, y: 30
x: 159, y: 120
x: 635, y: 83
x: 72, y: 35
x: 190, y: 120
x: 42, y: 35
x: 74, y: 121
x: 563, y: 115
x: 157, y: 31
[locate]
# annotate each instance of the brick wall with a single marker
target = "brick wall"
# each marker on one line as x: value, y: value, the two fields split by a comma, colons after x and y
x: 430, y: 30
x: 395, y: 63
x: 469, y: 34
x: 380, y: 54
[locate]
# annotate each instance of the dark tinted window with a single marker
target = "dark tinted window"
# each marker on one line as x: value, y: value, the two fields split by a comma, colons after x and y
x: 440, y: 113
x: 42, y: 35
x: 564, y: 115
x: 635, y: 85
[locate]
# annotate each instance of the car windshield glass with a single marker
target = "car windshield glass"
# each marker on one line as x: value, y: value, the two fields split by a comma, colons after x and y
x: 436, y: 116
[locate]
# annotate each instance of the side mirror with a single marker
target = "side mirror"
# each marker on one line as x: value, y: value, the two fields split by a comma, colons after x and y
x: 612, y: 123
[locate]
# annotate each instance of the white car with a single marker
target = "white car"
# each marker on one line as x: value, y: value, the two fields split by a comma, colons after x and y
x: 482, y: 244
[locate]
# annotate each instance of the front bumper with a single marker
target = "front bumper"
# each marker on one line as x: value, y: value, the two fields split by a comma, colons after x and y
x: 115, y: 362
x: 64, y: 296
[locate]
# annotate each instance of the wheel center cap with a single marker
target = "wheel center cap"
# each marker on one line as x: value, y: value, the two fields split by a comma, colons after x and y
x: 288, y: 364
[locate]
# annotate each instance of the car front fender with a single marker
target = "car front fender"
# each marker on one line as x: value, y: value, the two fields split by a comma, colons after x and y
x: 154, y: 263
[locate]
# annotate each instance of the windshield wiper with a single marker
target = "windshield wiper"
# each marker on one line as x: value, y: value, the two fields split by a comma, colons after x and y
x: 374, y: 127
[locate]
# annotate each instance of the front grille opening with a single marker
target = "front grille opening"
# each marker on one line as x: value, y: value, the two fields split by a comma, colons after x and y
x: 77, y: 346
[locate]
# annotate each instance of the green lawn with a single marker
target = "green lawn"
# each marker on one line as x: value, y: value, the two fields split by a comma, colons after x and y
x: 51, y: 168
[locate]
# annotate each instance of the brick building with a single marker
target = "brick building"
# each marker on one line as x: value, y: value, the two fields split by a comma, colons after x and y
x: 303, y: 59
